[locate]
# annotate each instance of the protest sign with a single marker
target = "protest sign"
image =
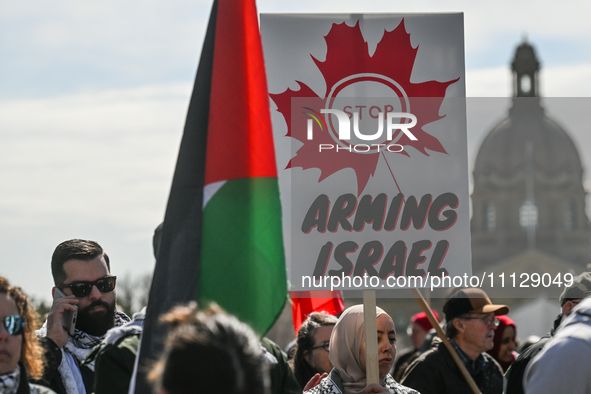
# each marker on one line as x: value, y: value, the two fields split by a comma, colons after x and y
x: 370, y: 132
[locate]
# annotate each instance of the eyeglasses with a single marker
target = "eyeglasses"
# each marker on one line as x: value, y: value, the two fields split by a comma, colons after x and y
x: 14, y: 324
x: 487, y: 319
x: 83, y: 288
x: 325, y: 345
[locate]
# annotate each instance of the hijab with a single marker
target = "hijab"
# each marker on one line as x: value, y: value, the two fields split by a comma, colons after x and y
x: 346, y: 340
x: 504, y: 322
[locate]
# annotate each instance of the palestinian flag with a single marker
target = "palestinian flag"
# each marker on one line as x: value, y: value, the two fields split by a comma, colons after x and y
x: 221, y: 239
x: 242, y: 257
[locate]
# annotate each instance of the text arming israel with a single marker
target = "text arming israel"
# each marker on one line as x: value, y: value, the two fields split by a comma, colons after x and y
x: 439, y: 214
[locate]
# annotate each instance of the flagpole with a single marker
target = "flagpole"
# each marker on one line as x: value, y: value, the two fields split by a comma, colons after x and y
x: 427, y: 309
x: 371, y: 329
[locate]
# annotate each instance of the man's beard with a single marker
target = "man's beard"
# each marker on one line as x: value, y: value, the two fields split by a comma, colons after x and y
x: 96, y: 323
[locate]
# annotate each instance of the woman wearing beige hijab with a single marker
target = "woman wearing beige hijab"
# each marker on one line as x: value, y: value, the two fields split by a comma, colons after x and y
x: 347, y: 355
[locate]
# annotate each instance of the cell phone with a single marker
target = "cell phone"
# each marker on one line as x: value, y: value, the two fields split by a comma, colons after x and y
x: 68, y: 317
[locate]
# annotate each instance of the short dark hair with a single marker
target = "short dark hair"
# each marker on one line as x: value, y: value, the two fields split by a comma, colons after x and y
x: 450, y: 330
x: 305, y: 342
x: 210, y: 352
x: 79, y: 249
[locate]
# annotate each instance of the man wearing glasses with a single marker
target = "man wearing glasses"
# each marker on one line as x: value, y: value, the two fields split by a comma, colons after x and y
x: 470, y: 324
x: 563, y: 364
x: 81, y: 273
x: 570, y: 297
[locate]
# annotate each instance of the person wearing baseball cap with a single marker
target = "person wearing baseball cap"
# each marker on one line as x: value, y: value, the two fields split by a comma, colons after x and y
x: 571, y: 296
x: 470, y: 325
x: 563, y: 364
x: 574, y: 294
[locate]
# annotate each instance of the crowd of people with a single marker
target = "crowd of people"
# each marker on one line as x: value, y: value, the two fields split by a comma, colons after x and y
x: 85, y: 345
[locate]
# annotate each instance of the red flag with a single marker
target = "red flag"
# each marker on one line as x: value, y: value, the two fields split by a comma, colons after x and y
x: 306, y: 302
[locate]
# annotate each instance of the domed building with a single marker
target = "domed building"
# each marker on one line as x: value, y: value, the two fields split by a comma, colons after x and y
x: 528, y: 200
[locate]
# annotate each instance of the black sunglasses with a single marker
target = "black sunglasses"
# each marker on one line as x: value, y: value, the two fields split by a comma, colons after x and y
x: 83, y: 288
x: 14, y: 324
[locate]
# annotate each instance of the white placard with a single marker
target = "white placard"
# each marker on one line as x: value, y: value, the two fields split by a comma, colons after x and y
x: 370, y: 131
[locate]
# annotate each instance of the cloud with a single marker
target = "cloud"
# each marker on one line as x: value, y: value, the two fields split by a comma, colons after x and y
x: 566, y: 81
x: 94, y: 163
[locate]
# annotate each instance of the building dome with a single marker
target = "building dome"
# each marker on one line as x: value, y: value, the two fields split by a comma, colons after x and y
x: 528, y: 143
x: 528, y: 181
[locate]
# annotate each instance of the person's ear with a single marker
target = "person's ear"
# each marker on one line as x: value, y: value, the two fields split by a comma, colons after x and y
x: 308, y: 358
x: 458, y: 324
x: 567, y: 308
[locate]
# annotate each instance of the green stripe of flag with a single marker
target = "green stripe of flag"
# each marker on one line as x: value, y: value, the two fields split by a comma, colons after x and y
x: 242, y: 256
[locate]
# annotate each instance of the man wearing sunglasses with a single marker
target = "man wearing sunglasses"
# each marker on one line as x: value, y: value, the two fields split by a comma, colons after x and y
x: 470, y: 323
x: 81, y: 272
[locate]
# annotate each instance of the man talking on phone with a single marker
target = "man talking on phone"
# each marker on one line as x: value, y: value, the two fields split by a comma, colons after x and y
x: 81, y: 272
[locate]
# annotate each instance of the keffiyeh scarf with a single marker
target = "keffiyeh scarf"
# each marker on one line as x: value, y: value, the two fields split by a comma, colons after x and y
x: 9, y: 382
x: 135, y: 326
x: 75, y: 351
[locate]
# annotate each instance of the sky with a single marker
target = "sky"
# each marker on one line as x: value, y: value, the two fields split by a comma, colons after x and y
x: 93, y: 98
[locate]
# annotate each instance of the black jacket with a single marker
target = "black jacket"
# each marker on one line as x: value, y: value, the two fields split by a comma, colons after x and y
x: 435, y: 372
x: 51, y: 377
x: 24, y: 387
x: 516, y: 371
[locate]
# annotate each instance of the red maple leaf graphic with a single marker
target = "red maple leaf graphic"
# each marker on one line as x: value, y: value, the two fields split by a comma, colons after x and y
x: 348, y: 56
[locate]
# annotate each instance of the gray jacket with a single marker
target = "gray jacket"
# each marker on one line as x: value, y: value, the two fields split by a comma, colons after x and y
x: 564, y: 363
